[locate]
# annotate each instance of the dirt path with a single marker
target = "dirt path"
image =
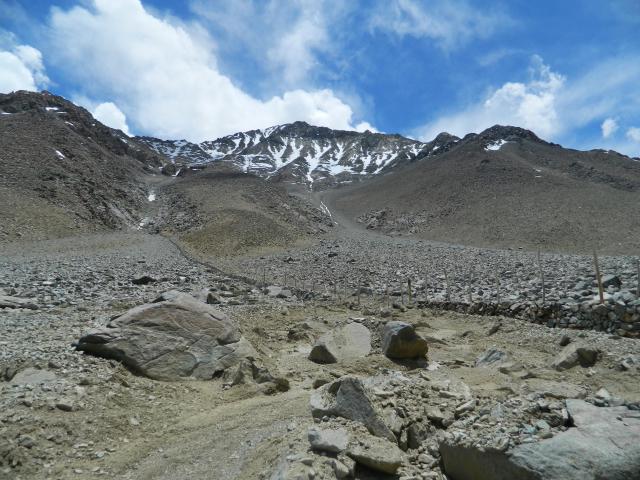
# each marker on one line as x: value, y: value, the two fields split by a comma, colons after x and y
x: 230, y: 441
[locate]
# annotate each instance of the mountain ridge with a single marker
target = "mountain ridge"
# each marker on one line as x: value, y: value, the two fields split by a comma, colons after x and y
x: 303, y: 153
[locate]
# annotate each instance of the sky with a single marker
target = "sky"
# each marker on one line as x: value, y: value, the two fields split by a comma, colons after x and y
x: 200, y: 69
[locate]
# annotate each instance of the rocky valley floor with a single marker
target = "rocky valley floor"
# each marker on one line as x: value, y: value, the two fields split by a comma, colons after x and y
x: 489, y: 384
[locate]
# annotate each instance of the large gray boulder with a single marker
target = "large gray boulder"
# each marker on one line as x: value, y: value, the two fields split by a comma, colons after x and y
x: 347, y: 342
x: 400, y: 341
x: 602, y: 444
x: 348, y: 398
x: 172, y: 338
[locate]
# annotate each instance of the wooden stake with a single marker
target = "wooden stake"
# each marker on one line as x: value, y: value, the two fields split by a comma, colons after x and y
x: 498, y: 287
x: 598, y: 278
x: 541, y: 278
x: 446, y: 280
x: 409, y: 290
x: 638, y: 278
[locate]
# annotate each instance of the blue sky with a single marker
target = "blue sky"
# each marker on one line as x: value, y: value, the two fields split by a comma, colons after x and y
x: 200, y: 69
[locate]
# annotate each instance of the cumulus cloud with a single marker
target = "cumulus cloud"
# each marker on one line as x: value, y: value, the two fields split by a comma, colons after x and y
x: 608, y: 127
x: 530, y: 105
x: 109, y: 114
x: 633, y: 134
x: 450, y: 23
x: 552, y: 105
x: 286, y: 37
x: 21, y: 68
x: 164, y: 75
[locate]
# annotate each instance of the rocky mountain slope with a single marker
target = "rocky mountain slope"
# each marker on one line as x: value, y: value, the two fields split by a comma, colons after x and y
x: 302, y: 153
x: 63, y: 172
x: 505, y: 187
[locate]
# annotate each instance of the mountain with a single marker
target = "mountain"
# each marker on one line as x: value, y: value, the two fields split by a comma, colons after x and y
x: 505, y: 187
x: 302, y: 153
x: 63, y: 172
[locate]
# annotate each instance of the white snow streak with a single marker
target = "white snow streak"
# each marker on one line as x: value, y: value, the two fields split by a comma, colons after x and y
x: 496, y: 145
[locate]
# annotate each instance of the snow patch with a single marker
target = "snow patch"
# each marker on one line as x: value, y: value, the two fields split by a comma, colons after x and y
x: 496, y: 145
x: 151, y: 197
x: 60, y: 155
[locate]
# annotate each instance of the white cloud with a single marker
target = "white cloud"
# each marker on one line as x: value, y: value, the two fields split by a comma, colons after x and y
x: 530, y: 105
x: 285, y: 38
x: 633, y: 134
x: 449, y: 23
x: 21, y: 68
x: 295, y: 51
x: 165, y: 77
x: 109, y: 114
x: 608, y: 127
x: 553, y: 106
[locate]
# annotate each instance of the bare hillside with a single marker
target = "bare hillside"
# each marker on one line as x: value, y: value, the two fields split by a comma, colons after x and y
x: 63, y: 172
x: 506, y: 187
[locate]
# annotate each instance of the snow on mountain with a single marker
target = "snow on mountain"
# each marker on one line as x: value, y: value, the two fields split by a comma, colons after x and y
x: 303, y: 153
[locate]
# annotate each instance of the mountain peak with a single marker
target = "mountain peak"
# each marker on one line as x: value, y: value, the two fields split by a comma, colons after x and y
x: 508, y: 133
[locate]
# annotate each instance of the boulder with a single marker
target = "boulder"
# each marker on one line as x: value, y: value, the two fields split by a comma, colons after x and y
x: 328, y: 440
x: 376, y: 453
x: 143, y: 280
x: 490, y: 357
x: 348, y: 342
x: 7, y: 301
x: 348, y: 398
x: 602, y: 444
x: 575, y: 354
x: 174, y: 337
x: 611, y: 281
x: 400, y: 340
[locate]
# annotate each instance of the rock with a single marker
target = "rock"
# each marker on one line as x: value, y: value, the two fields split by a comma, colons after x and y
x: 603, y: 444
x: 376, y: 453
x: 174, y: 337
x: 33, y: 376
x: 494, y: 328
x: 16, y: 302
x: 213, y: 299
x: 565, y: 340
x: 465, y: 407
x: 348, y: 342
x: 340, y: 469
x: 247, y: 370
x: 575, y: 354
x: 274, y: 291
x: 611, y: 281
x: 399, y: 340
x: 143, y: 280
x: 491, y: 357
x: 328, y: 440
x: 65, y: 405
x: 347, y: 398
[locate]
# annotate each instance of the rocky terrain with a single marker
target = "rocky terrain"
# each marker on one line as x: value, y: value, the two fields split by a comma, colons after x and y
x: 231, y: 326
x: 485, y: 383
